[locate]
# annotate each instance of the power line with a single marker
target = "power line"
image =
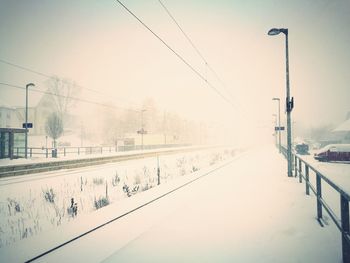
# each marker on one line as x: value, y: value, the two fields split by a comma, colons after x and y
x: 183, y: 32
x: 195, y: 48
x: 24, y: 68
x: 48, y: 76
x: 68, y: 97
x: 176, y: 54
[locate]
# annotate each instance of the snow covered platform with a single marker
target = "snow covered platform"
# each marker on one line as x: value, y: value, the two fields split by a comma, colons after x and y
x: 246, y: 211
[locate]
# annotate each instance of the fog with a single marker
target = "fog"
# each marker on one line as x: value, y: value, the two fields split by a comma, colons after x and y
x: 99, y: 46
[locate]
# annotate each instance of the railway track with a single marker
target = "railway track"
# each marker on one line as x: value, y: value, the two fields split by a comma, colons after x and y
x: 76, y: 238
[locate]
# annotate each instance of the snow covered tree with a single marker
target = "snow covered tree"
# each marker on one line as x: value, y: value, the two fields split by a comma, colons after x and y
x: 54, y: 127
x: 62, y: 95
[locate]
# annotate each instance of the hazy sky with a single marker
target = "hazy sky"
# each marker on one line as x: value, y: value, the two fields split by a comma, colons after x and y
x: 100, y: 46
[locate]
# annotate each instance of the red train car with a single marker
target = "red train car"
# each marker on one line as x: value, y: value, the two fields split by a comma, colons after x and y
x: 334, y: 152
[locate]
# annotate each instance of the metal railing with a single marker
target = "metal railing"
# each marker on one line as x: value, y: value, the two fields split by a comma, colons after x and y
x: 342, y: 223
x: 88, y: 150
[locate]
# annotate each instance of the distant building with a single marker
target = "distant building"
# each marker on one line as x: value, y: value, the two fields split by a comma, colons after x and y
x: 343, y: 131
x: 39, y: 108
x: 38, y: 111
x: 8, y: 117
x: 134, y: 141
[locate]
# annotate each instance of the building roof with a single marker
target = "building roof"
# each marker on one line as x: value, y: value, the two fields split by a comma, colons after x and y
x: 345, y: 126
x: 3, y: 104
x: 18, y: 100
x: 14, y: 130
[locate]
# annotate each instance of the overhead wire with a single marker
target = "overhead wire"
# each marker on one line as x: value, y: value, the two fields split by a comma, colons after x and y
x: 50, y: 77
x: 176, y: 54
x: 197, y: 50
x: 69, y: 97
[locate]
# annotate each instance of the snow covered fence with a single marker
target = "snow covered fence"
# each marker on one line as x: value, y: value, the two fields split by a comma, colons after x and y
x: 49, y: 152
x: 342, y: 223
x: 44, y: 165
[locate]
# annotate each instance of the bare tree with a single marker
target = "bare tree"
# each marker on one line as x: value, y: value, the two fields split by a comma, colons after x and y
x: 63, y: 93
x: 54, y: 127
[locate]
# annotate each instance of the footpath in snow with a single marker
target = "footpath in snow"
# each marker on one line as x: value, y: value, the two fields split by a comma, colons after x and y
x: 247, y: 211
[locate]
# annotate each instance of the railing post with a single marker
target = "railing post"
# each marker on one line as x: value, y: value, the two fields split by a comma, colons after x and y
x: 64, y: 151
x: 158, y: 170
x: 17, y: 151
x: 300, y: 172
x: 47, y: 153
x: 295, y: 166
x: 31, y: 152
x: 319, y: 196
x: 307, y: 180
x: 344, y: 211
x: 101, y: 150
x: 78, y: 150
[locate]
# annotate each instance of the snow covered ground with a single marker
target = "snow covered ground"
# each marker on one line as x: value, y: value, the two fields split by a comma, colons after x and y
x: 32, y: 204
x: 246, y: 211
x: 338, y: 173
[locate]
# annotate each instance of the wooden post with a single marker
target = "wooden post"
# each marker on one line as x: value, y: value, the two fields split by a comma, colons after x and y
x: 300, y: 172
x: 307, y: 180
x: 344, y: 205
x: 319, y: 196
x: 158, y: 170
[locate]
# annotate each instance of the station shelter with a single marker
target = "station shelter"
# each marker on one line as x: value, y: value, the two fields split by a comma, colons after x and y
x: 11, y: 139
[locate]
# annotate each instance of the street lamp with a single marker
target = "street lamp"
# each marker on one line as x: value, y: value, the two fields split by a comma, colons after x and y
x: 279, y: 122
x: 142, y: 130
x: 289, y: 102
x: 26, y: 122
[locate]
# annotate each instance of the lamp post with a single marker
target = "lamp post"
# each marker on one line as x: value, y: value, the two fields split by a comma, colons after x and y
x: 142, y: 130
x: 26, y: 122
x: 289, y: 102
x: 275, y: 116
x: 279, y: 123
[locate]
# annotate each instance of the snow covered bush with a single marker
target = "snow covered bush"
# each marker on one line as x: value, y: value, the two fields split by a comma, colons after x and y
x: 49, y: 195
x: 101, y: 202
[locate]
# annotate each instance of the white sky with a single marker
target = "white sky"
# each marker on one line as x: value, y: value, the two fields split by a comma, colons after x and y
x: 100, y: 46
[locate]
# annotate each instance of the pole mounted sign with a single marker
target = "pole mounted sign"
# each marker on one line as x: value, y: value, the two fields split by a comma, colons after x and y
x: 142, y: 131
x: 281, y: 128
x: 29, y: 125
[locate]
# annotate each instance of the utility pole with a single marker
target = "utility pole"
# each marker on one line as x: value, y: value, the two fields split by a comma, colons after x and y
x: 289, y: 101
x: 164, y: 127
x: 279, y: 123
x: 289, y: 104
x: 274, y: 115
x: 142, y: 129
x: 26, y: 122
